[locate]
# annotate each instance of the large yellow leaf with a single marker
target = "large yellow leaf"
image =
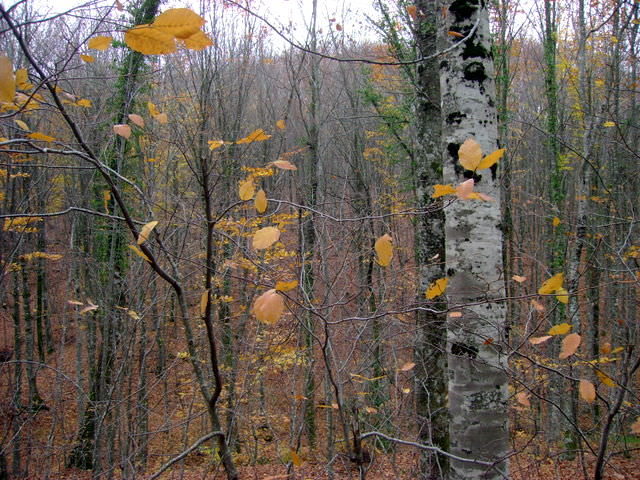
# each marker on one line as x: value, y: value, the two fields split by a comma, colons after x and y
x: 7, y: 80
x: 22, y: 79
x: 246, y: 189
x: 84, y: 102
x: 491, y: 159
x: 437, y: 288
x: 149, y: 40
x: 562, y: 295
x: 100, y: 42
x: 40, y: 136
x: 265, y: 237
x: 260, y: 202
x: 587, y: 391
x: 145, y: 231
x: 139, y: 252
x: 268, y: 307
x: 605, y: 379
x: 570, y: 344
x: 442, y: 190
x: 384, y: 250
x: 179, y: 22
x: 470, y: 154
x: 560, y: 329
x: 552, y: 284
x: 22, y: 125
x: 123, y: 130
x: 255, y: 136
x: 286, y: 286
x: 198, y: 41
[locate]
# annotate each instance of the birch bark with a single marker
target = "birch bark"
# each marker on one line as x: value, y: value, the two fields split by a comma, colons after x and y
x: 477, y: 378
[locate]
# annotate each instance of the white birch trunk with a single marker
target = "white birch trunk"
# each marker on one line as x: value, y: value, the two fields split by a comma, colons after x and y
x: 477, y: 378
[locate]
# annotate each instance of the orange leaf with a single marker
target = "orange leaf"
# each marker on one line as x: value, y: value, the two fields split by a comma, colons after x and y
x: 137, y: 119
x: 523, y: 399
x: 268, y: 307
x: 539, y: 340
x: 570, y: 344
x: 455, y: 34
x: 587, y: 391
x: 265, y: 237
x: 122, y: 130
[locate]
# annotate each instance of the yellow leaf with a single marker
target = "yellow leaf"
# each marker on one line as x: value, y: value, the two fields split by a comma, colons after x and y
x: 84, y: 102
x: 197, y: 41
x: 635, y: 426
x: 552, y: 284
x: 268, y: 307
x: 384, y: 250
x: 562, y: 295
x: 204, y: 301
x: 281, y: 124
x: 7, y: 80
x: 470, y: 154
x: 265, y: 237
x: 491, y: 159
x: 605, y: 379
x: 139, y: 252
x: 617, y: 350
x: 560, y: 329
x: 286, y: 286
x: 442, y: 190
x: 570, y: 344
x: 284, y: 164
x: 523, y: 399
x: 101, y: 42
x: 437, y: 288
x: 255, y: 136
x: 22, y: 79
x: 518, y: 278
x: 406, y: 390
x: 587, y: 391
x: 260, y: 202
x: 22, y: 125
x: 213, y: 144
x: 137, y: 119
x: 153, y: 111
x: 407, y: 366
x: 149, y: 40
x: 295, y: 459
x: 40, y: 136
x: 246, y: 189
x: 87, y: 58
x: 179, y: 22
x: 539, y: 340
x: 555, y: 222
x: 161, y: 118
x: 145, y: 231
x: 123, y: 130
x: 609, y: 124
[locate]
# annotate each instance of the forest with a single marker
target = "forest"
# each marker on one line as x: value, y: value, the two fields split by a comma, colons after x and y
x: 397, y: 244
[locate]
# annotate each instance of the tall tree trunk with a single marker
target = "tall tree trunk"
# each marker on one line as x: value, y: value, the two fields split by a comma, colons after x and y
x: 478, y: 382
x: 430, y: 349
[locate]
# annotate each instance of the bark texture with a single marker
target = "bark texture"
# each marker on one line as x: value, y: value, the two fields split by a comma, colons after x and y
x: 477, y: 378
